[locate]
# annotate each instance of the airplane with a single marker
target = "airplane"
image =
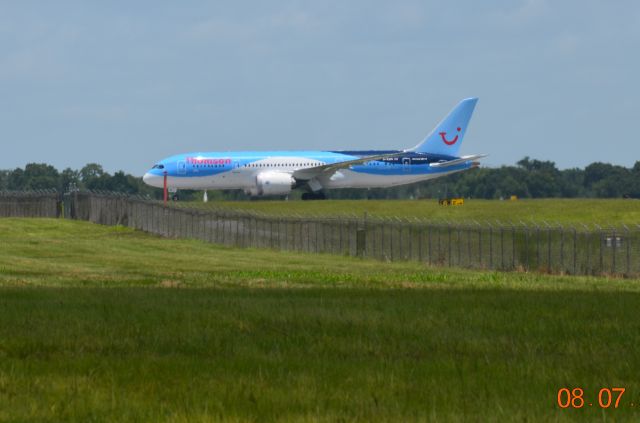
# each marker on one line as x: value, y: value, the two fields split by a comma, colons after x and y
x: 276, y: 173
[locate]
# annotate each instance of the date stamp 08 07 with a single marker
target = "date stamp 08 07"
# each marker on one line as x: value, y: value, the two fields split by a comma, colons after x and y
x: 605, y: 398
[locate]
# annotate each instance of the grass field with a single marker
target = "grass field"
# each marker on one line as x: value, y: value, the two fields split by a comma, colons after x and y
x: 107, y: 324
x: 571, y: 211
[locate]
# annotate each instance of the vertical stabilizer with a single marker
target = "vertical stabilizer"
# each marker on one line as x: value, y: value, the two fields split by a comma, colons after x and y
x: 447, y: 137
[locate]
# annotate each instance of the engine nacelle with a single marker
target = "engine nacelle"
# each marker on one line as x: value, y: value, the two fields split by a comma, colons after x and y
x: 272, y: 183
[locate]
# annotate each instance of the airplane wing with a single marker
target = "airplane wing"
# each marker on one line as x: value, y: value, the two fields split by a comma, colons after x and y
x: 461, y: 160
x: 316, y: 171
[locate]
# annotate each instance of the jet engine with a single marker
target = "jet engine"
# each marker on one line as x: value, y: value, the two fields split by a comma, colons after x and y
x: 272, y: 183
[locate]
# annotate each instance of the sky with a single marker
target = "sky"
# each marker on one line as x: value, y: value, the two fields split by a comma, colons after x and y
x: 125, y: 83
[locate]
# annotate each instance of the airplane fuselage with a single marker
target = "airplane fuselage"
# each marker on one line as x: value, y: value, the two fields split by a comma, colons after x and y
x: 240, y: 170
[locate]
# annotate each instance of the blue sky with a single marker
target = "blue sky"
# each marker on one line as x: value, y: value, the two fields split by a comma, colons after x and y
x: 127, y: 83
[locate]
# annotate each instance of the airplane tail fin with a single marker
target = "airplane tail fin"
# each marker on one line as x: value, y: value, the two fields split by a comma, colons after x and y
x: 447, y: 136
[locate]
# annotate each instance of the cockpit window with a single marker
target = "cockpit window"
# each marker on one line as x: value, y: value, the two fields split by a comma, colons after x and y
x: 158, y: 166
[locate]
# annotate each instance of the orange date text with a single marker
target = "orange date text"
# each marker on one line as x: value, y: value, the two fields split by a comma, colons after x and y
x: 605, y: 398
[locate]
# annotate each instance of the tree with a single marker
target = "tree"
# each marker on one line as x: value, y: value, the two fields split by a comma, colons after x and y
x: 15, y: 181
x: 90, y: 172
x: 120, y: 183
x: 634, y: 183
x: 4, y: 179
x: 572, y: 183
x: 39, y: 176
x: 595, y: 172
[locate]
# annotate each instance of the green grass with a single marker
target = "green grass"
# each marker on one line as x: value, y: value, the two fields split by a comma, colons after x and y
x: 572, y: 211
x: 109, y: 324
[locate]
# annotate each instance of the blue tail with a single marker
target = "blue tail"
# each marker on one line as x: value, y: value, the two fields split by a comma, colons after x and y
x: 446, y: 138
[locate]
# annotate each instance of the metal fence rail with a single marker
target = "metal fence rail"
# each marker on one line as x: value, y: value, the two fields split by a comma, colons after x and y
x: 547, y: 248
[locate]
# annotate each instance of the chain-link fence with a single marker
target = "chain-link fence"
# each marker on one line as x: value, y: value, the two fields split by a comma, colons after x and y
x: 576, y: 250
x: 41, y: 203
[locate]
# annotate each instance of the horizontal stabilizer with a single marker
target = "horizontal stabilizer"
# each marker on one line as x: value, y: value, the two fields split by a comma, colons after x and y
x: 461, y: 160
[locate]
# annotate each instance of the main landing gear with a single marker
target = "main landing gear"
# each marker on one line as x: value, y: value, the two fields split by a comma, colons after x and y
x: 313, y: 196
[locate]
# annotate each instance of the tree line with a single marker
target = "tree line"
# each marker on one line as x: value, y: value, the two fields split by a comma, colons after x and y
x: 38, y: 176
x: 529, y: 178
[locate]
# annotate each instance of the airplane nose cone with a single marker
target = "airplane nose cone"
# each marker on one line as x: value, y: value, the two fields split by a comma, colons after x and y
x: 153, y: 180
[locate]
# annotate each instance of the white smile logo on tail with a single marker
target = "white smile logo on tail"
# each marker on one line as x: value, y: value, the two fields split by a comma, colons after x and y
x: 443, y: 135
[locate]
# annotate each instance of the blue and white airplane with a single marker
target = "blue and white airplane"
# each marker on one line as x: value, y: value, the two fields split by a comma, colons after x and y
x: 276, y: 173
